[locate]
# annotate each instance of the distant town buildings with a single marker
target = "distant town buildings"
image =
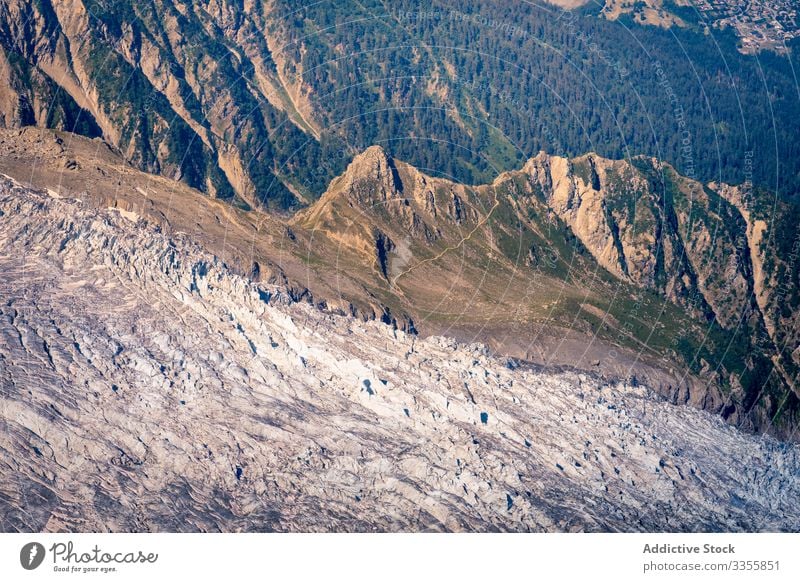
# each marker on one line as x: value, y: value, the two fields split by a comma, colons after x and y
x: 761, y: 24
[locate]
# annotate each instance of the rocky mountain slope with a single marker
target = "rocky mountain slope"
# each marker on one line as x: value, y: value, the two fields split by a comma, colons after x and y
x: 162, y: 82
x: 147, y: 387
x: 628, y: 252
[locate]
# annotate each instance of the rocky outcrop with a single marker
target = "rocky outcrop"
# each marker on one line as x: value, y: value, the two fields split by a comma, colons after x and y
x: 584, y: 208
x: 372, y: 178
x: 650, y: 226
x: 145, y: 387
x: 754, y: 236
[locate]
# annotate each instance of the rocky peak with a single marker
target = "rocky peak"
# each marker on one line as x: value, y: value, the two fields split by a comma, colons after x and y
x: 372, y: 175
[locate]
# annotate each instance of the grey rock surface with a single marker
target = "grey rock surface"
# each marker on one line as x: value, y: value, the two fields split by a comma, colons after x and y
x: 145, y: 387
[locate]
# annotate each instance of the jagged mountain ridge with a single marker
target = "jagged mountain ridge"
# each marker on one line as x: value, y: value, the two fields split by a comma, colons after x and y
x: 697, y: 247
x: 146, y: 387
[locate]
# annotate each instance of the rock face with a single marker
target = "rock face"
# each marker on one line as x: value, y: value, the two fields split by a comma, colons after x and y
x: 646, y: 224
x: 147, y: 388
